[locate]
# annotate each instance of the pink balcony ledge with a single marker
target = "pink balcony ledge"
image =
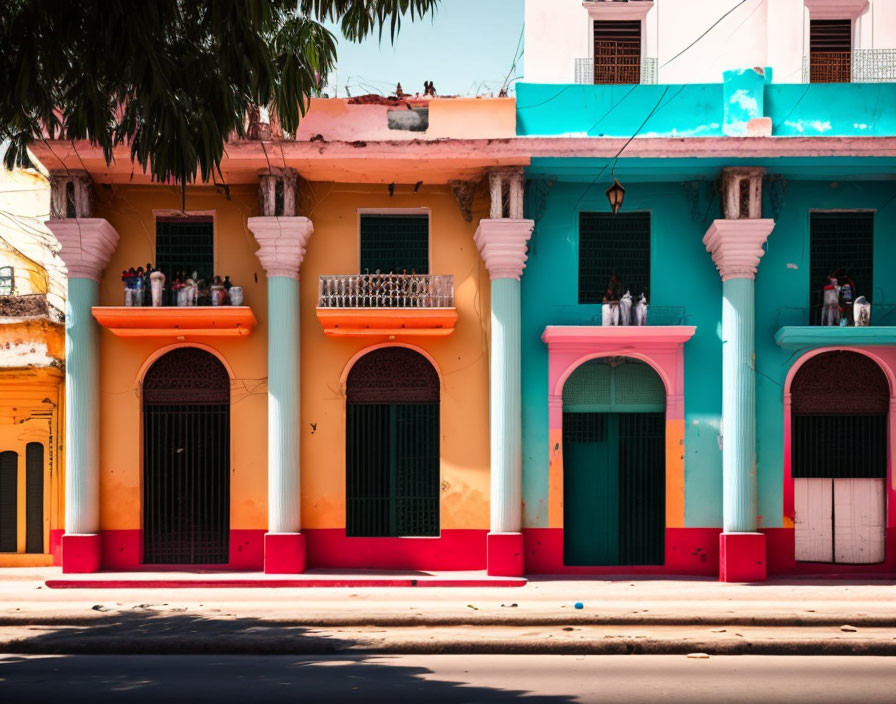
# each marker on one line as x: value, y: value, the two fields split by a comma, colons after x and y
x: 176, y: 322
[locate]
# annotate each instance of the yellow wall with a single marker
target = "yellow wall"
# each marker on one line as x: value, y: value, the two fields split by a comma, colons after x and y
x: 31, y: 410
x: 462, y: 357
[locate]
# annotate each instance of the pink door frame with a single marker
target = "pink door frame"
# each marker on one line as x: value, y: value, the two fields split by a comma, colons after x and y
x: 781, y: 541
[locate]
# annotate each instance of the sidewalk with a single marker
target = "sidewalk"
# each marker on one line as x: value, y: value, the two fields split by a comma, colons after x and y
x: 617, y: 616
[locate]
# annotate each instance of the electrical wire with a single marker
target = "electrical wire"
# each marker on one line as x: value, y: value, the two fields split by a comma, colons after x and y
x: 711, y: 27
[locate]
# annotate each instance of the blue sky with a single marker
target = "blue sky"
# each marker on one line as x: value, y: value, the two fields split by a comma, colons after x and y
x: 466, y: 48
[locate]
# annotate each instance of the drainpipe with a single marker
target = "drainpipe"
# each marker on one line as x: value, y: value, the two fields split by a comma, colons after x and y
x: 87, y: 245
x: 502, y: 243
x: 282, y: 243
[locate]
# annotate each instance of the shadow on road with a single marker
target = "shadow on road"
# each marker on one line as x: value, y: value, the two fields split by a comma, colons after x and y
x: 142, y: 655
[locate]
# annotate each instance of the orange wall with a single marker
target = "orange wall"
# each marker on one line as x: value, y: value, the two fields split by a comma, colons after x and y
x: 462, y: 357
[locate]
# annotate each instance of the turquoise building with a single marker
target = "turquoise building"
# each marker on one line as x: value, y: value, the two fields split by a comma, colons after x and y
x: 733, y: 434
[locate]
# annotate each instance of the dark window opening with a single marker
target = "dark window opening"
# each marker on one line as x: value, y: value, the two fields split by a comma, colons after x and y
x: 617, y: 52
x: 185, y: 245
x: 392, y: 446
x: 830, y: 51
x: 840, y: 245
x: 34, y: 497
x: 9, y: 500
x: 613, y: 245
x: 70, y: 210
x: 395, y: 244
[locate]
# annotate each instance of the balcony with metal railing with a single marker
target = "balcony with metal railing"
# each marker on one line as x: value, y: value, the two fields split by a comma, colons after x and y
x: 351, y: 305
x: 856, y: 66
x: 616, y: 68
x: 798, y: 328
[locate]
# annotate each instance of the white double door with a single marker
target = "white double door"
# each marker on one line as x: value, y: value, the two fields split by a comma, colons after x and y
x: 840, y: 520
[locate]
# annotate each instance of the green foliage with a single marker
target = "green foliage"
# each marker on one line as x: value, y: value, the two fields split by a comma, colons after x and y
x: 173, y: 79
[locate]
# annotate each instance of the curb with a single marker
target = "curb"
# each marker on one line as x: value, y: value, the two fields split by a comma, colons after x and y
x: 422, y: 620
x: 178, y: 645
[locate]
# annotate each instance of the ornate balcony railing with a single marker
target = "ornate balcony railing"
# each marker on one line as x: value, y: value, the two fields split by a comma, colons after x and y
x: 623, y: 69
x: 857, y: 66
x: 386, y: 291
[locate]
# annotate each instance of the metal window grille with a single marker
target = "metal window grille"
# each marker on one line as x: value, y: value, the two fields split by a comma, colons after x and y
x: 392, y: 446
x: 396, y: 244
x: 185, y: 245
x: 839, y: 402
x: 34, y: 497
x: 830, y: 51
x: 7, y: 280
x: 840, y: 241
x: 610, y: 243
x: 9, y: 500
x: 617, y: 52
x: 584, y: 427
x: 386, y: 291
x: 874, y: 65
x: 614, y: 384
x: 186, y: 460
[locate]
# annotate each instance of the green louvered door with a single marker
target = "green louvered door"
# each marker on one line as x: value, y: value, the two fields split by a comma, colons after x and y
x: 614, y: 465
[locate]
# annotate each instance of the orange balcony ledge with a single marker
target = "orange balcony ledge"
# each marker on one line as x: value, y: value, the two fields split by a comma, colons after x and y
x: 393, y: 322
x: 176, y: 322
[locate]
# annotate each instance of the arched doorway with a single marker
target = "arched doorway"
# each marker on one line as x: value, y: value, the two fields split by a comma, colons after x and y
x: 614, y: 462
x: 392, y: 445
x: 186, y: 459
x: 838, y: 440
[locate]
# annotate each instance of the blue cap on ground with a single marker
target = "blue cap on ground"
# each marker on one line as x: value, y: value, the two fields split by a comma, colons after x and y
x: 580, y: 605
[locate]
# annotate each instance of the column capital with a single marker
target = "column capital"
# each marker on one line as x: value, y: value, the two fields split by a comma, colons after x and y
x: 283, y: 241
x: 736, y: 245
x: 87, y: 245
x: 502, y: 244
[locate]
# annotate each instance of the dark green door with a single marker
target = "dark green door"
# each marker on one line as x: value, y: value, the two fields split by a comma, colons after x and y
x: 614, y: 465
x: 392, y: 446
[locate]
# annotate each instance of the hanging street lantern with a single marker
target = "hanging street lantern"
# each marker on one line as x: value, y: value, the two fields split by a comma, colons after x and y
x: 616, y: 194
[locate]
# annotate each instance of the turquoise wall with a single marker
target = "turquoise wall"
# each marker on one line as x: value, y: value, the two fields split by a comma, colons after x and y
x: 683, y: 275
x: 699, y: 110
x: 783, y: 282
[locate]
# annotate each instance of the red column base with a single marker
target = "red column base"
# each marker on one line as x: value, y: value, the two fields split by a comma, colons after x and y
x: 742, y: 557
x: 284, y: 553
x: 81, y: 552
x: 505, y: 554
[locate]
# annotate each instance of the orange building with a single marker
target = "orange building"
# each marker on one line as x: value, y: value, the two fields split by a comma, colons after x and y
x: 337, y: 419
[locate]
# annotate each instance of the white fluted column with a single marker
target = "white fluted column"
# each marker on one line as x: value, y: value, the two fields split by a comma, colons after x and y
x: 502, y: 244
x: 87, y: 245
x: 736, y: 247
x: 283, y: 241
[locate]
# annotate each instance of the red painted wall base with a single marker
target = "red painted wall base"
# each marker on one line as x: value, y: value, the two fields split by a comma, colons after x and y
x: 56, y: 546
x: 284, y: 553
x: 742, y: 557
x: 505, y: 554
x: 81, y: 553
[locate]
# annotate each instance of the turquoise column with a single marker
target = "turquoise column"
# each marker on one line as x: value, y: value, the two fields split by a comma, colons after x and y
x: 736, y: 247
x: 283, y: 242
x: 738, y: 407
x: 284, y: 495
x: 502, y: 244
x: 87, y: 245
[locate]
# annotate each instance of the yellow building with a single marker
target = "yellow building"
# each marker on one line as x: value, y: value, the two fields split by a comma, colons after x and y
x: 340, y: 419
x: 32, y: 293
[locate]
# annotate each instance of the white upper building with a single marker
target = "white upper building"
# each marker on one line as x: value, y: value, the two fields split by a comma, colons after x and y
x: 694, y: 41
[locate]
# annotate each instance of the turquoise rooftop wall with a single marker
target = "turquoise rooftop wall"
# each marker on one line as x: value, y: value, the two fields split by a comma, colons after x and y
x: 701, y: 110
x: 683, y: 275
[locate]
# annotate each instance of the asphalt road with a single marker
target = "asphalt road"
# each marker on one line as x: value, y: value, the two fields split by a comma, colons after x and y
x: 446, y: 678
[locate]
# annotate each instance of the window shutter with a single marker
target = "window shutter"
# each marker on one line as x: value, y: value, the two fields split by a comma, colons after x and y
x: 609, y: 243
x: 830, y: 51
x: 396, y: 244
x: 9, y: 504
x: 840, y: 241
x: 34, y: 497
x: 617, y: 52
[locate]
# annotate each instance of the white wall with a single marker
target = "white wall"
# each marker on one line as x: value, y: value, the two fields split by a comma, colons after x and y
x: 756, y: 33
